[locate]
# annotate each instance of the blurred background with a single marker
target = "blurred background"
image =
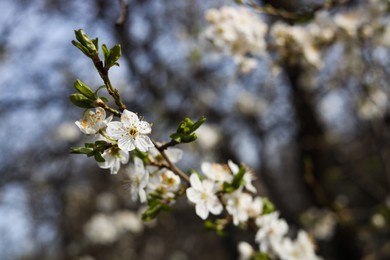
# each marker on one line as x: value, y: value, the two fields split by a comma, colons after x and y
x: 317, y: 138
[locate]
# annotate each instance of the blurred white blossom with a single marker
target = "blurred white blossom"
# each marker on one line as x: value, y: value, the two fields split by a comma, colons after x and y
x: 138, y: 180
x: 238, y: 31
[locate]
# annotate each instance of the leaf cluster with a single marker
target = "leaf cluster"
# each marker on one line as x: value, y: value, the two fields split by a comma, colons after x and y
x: 155, y: 206
x: 92, y: 149
x: 185, y: 132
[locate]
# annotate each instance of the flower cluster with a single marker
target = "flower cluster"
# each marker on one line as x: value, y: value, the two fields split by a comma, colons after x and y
x: 230, y: 187
x: 120, y: 137
x: 153, y: 178
x: 238, y: 31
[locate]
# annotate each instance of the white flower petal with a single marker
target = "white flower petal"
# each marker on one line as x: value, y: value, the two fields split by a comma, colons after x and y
x: 126, y: 143
x: 142, y: 195
x: 144, y: 127
x: 214, y: 206
x: 124, y: 156
x: 195, y: 182
x: 174, y: 154
x: 201, y: 210
x: 206, y: 168
x: 129, y: 119
x: 193, y: 195
x: 99, y: 115
x: 108, y: 119
x: 115, y: 130
x: 233, y: 167
x: 143, y: 143
x: 139, y: 165
x: 208, y: 186
x: 115, y: 167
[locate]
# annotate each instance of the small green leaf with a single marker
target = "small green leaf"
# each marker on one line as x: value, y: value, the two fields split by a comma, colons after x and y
x: 84, y: 89
x: 81, y: 101
x: 84, y: 39
x: 155, y: 207
x: 261, y: 256
x: 198, y: 123
x: 87, y: 46
x: 98, y: 157
x: 238, y: 178
x: 100, y: 143
x: 96, y: 43
x: 176, y: 137
x: 89, y: 145
x: 104, y: 99
x: 106, y: 52
x: 189, y: 138
x: 209, y: 225
x: 81, y: 47
x: 80, y: 150
x: 268, y: 206
x: 114, y: 55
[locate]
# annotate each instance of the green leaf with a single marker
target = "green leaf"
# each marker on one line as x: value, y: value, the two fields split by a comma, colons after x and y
x: 261, y: 256
x: 104, y: 99
x: 198, y: 123
x: 155, y: 207
x: 176, y: 137
x: 189, y: 138
x: 268, y: 206
x: 96, y: 43
x: 98, y: 157
x: 84, y: 89
x: 100, y: 143
x: 87, y: 46
x: 106, y: 52
x: 209, y: 225
x: 81, y: 101
x: 114, y: 55
x: 89, y: 145
x: 84, y: 39
x: 237, y: 182
x: 80, y: 150
x: 81, y: 47
x: 238, y: 178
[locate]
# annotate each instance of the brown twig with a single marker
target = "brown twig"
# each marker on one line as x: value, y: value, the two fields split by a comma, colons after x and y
x: 123, y: 12
x: 171, y: 165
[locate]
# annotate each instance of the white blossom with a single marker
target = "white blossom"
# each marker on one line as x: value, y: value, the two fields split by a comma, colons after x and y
x: 217, y: 173
x: 237, y: 205
x: 165, y: 182
x: 202, y: 193
x: 101, y: 229
x: 301, y: 248
x: 114, y: 157
x: 92, y: 122
x: 139, y: 178
x: 239, y: 31
x: 130, y: 132
x: 271, y: 231
x: 245, y: 251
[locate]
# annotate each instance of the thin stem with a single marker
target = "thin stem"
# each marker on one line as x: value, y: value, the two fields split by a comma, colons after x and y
x: 103, y: 72
x: 171, y: 165
x: 169, y: 144
x: 101, y: 104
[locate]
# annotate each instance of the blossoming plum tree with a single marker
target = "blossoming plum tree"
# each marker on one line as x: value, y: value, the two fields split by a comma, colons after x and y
x: 225, y: 191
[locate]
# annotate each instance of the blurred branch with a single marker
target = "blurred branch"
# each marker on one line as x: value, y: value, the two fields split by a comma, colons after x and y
x: 123, y: 12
